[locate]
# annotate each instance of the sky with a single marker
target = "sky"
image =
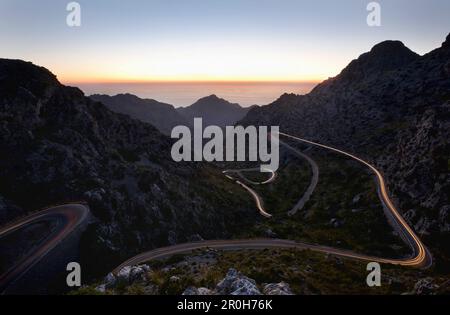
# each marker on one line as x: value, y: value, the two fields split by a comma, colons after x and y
x: 211, y: 40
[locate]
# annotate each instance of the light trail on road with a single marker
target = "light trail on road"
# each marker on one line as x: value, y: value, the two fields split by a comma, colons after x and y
x: 73, y: 215
x: 76, y: 213
x: 421, y: 257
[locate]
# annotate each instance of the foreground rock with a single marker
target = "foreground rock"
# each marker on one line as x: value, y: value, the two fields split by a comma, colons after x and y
x: 281, y: 288
x: 235, y: 283
x: 425, y: 286
x: 198, y: 291
x: 130, y: 275
x: 126, y: 276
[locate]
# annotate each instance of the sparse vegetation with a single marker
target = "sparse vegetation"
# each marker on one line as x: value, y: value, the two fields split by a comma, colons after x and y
x: 344, y: 210
x: 306, y: 272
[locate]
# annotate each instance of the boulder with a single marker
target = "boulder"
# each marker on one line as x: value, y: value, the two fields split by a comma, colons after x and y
x: 224, y: 285
x: 205, y: 291
x: 191, y: 291
x: 244, y: 286
x: 269, y: 233
x: 110, y: 281
x: 197, y: 291
x: 336, y: 223
x: 425, y: 287
x: 357, y: 198
x: 235, y: 283
x: 123, y: 275
x: 281, y: 288
x: 101, y: 288
x: 138, y: 273
x: 174, y: 279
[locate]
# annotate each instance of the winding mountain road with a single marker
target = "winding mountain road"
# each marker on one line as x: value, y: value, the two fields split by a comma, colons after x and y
x: 420, y: 258
x: 240, y: 171
x: 68, y: 218
x: 258, y: 200
x: 314, y: 180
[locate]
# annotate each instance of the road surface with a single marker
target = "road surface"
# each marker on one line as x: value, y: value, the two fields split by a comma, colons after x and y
x: 72, y: 215
x: 240, y: 171
x: 313, y: 184
x: 259, y: 202
x: 69, y: 217
x: 420, y: 258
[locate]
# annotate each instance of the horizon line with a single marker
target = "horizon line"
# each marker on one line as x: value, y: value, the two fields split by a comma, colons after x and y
x: 263, y: 81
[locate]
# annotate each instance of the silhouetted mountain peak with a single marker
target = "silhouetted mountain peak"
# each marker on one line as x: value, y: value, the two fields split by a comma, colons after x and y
x: 392, y: 106
x: 212, y: 97
x: 446, y: 44
x: 214, y: 100
x: 288, y: 96
x: 128, y: 96
x: 18, y: 74
x: 389, y: 46
x: 214, y: 111
x: 385, y: 56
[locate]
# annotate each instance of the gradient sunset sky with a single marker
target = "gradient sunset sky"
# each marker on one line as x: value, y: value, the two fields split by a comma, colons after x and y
x: 201, y: 40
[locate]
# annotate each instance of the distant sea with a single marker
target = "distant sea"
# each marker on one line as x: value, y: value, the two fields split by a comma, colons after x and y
x: 181, y: 94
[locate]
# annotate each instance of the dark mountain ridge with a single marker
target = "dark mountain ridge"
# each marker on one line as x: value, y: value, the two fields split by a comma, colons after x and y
x: 161, y: 115
x: 214, y: 111
x: 392, y: 107
x: 57, y: 145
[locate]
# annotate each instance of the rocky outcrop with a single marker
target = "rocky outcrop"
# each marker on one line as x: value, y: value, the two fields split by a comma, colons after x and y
x: 425, y: 286
x: 235, y: 283
x: 281, y: 288
x: 197, y: 291
x: 128, y: 275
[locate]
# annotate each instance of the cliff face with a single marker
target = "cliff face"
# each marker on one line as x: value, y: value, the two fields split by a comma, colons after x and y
x: 392, y: 107
x: 57, y: 145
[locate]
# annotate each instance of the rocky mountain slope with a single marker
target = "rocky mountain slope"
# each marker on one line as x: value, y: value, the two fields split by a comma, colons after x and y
x: 214, y: 111
x: 142, y: 276
x: 392, y: 107
x: 57, y: 145
x: 268, y: 272
x: 162, y: 116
